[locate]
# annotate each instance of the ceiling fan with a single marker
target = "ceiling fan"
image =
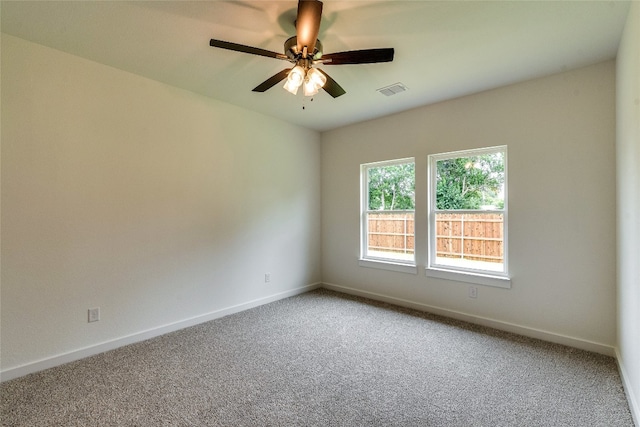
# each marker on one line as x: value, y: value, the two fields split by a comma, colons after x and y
x: 305, y: 51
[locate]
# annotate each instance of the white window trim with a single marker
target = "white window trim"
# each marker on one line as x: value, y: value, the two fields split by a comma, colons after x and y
x: 385, y: 264
x: 469, y: 277
x: 459, y: 274
x: 390, y: 264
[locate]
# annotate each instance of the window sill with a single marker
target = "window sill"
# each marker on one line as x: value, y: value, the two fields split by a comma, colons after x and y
x: 475, y: 278
x: 389, y: 265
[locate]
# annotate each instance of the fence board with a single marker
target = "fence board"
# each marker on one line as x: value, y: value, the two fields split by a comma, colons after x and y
x: 459, y: 235
x: 475, y: 237
x: 392, y: 232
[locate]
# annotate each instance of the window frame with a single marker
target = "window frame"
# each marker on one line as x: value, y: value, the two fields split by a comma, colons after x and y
x: 465, y: 274
x: 366, y: 260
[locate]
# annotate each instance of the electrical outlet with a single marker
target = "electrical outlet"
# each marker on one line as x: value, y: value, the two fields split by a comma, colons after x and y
x: 473, y: 292
x: 94, y: 314
x: 267, y: 277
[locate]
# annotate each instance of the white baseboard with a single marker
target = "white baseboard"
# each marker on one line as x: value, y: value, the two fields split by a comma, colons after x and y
x: 478, y: 320
x: 50, y: 362
x: 632, y: 398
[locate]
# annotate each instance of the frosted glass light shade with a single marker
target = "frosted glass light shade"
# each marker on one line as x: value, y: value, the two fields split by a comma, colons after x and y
x: 294, y: 79
x: 313, y: 82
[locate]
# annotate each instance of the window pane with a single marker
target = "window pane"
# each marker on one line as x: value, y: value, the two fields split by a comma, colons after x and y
x: 475, y: 182
x: 470, y: 240
x: 391, y: 235
x: 388, y: 218
x: 391, y: 187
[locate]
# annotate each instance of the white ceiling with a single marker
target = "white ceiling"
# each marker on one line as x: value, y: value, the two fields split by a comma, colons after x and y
x: 443, y: 49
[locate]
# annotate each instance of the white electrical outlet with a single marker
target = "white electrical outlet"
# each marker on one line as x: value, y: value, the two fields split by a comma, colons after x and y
x: 94, y: 314
x: 267, y: 277
x: 473, y: 292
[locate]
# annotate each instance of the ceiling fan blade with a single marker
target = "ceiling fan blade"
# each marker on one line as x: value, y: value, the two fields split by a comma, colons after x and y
x: 308, y: 24
x: 331, y: 87
x: 366, y: 56
x: 272, y: 81
x: 245, y: 49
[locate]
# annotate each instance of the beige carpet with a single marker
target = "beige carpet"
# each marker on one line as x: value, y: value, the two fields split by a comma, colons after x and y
x: 326, y: 359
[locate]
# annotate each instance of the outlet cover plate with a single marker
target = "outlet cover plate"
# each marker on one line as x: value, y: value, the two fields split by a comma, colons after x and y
x: 94, y: 314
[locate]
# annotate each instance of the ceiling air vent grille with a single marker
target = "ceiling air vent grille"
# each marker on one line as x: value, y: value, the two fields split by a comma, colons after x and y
x: 392, y: 89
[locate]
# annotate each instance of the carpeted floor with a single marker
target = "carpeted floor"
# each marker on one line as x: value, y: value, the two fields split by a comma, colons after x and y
x: 326, y: 359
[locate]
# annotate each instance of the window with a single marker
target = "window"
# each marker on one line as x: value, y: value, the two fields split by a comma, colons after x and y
x: 387, y: 220
x: 468, y: 216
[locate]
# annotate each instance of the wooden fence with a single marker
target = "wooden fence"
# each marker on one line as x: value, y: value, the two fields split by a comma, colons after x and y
x: 392, y: 232
x: 476, y: 237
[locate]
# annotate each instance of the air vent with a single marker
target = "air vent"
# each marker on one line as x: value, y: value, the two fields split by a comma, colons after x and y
x: 392, y: 89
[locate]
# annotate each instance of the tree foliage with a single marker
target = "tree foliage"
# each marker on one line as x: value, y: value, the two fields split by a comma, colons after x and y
x: 470, y: 182
x: 392, y: 187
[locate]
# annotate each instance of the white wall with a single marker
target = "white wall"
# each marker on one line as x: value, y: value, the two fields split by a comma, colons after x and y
x: 560, y: 133
x: 628, y: 203
x: 155, y: 204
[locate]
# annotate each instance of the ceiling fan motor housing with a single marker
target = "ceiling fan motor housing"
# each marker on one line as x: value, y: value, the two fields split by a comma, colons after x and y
x: 291, y: 50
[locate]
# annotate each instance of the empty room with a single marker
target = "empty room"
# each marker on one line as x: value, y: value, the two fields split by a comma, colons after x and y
x: 349, y: 213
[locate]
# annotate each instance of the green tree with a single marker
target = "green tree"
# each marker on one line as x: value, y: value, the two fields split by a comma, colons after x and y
x: 392, y: 187
x: 470, y: 182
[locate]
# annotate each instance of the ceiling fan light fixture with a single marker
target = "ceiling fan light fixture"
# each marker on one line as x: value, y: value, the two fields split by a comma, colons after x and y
x: 313, y: 82
x: 294, y: 79
x: 309, y: 88
x: 304, y: 50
